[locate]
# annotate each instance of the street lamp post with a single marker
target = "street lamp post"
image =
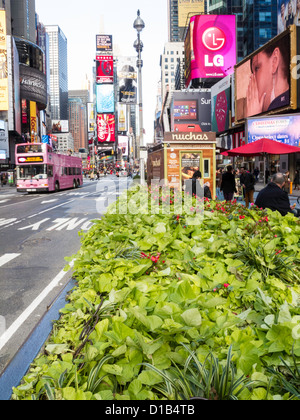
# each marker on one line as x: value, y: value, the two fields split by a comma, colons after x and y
x: 139, y: 25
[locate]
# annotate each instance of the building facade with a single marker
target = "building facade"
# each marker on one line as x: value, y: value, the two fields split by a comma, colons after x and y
x: 77, y: 118
x: 58, y: 59
x: 256, y: 21
x: 23, y: 19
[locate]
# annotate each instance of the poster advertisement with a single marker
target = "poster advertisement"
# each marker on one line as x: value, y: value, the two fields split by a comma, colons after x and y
x: 105, y: 99
x: 60, y: 126
x: 104, y: 44
x: 284, y: 129
x: 127, y: 74
x: 263, y: 81
x: 3, y: 63
x: 123, y: 145
x: 106, y: 128
x: 288, y: 13
x: 191, y: 111
x: 221, y: 105
x: 211, y: 46
x: 104, y: 69
x: 190, y: 163
x: 188, y: 7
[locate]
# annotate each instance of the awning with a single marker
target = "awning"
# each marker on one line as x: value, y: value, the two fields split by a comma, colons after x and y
x: 262, y: 147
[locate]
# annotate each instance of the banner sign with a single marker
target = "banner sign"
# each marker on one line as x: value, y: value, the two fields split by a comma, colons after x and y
x: 3, y: 63
x: 104, y: 43
x: 105, y: 69
x: 211, y: 46
x: 106, y: 127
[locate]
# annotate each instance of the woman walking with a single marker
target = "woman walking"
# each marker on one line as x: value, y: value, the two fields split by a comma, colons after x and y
x: 297, y: 180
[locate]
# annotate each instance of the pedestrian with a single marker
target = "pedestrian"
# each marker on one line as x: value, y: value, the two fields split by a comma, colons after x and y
x: 256, y: 174
x: 228, y: 184
x: 248, y: 184
x: 274, y: 197
x: 207, y: 192
x: 287, y: 182
x: 219, y: 181
x: 297, y: 180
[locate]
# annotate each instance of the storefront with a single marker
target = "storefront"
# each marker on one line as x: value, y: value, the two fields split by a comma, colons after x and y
x: 180, y: 156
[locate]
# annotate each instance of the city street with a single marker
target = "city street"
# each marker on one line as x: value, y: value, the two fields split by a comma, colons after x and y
x: 37, y: 232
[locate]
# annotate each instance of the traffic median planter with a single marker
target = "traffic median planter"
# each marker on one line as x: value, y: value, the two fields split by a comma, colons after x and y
x: 199, y: 304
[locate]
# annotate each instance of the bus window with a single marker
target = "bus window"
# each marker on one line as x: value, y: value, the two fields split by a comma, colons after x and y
x: 50, y: 171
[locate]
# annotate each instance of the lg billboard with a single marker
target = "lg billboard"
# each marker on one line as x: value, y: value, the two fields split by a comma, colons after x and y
x: 210, y: 47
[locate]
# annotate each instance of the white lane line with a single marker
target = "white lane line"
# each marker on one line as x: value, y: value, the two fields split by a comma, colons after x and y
x: 50, y: 201
x: 9, y: 333
x: 52, y: 208
x: 6, y: 258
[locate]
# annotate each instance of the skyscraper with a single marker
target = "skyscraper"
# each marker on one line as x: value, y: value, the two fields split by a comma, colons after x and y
x: 58, y: 58
x: 23, y: 19
x: 178, y: 16
x: 256, y: 21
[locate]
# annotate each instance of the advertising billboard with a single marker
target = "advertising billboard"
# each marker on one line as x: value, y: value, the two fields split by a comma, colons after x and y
x: 91, y: 117
x: 105, y: 99
x: 210, y: 47
x: 3, y: 63
x: 127, y: 75
x: 4, y: 141
x: 191, y: 111
x: 122, y: 118
x: 60, y: 126
x: 104, y: 69
x: 266, y: 82
x: 33, y: 85
x: 221, y: 105
x: 104, y: 44
x: 288, y: 13
x: 284, y: 129
x: 188, y: 7
x: 106, y: 128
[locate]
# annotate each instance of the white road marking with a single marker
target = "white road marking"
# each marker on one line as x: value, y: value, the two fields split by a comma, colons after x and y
x: 9, y: 333
x: 52, y: 208
x: 3, y: 201
x: 35, y: 226
x: 6, y: 258
x: 49, y: 201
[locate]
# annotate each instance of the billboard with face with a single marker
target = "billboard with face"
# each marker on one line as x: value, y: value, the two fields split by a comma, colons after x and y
x: 210, y: 46
x: 127, y: 74
x: 288, y: 12
x: 264, y: 81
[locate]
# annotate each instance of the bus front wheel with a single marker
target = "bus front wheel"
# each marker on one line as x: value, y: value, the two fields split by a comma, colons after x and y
x: 56, y: 187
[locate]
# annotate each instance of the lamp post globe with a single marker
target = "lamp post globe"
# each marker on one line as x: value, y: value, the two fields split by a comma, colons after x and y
x: 139, y: 24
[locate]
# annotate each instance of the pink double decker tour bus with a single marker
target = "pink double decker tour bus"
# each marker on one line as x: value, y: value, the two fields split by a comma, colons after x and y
x: 40, y: 169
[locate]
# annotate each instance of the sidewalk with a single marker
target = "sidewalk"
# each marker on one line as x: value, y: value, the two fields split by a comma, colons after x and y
x: 259, y: 186
x: 7, y: 189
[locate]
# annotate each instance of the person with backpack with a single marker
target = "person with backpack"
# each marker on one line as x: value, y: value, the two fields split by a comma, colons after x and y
x: 248, y: 184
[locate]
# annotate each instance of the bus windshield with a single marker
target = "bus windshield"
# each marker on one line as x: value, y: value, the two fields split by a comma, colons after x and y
x: 32, y: 172
x: 30, y: 148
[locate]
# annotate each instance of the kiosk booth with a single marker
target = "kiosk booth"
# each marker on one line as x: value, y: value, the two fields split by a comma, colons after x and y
x: 180, y: 156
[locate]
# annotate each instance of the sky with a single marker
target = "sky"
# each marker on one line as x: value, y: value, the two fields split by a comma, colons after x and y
x: 82, y: 20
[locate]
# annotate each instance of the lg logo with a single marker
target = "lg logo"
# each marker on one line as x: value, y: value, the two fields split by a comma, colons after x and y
x: 214, y: 40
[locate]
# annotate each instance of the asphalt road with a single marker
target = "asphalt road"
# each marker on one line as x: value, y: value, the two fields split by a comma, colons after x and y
x: 37, y: 232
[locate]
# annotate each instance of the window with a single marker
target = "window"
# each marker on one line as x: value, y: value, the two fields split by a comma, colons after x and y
x: 50, y: 171
x: 206, y: 165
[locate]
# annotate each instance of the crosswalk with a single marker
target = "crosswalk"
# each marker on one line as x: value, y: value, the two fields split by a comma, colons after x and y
x: 6, y: 258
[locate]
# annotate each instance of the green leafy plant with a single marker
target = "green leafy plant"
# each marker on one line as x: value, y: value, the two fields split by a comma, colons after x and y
x: 207, y: 381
